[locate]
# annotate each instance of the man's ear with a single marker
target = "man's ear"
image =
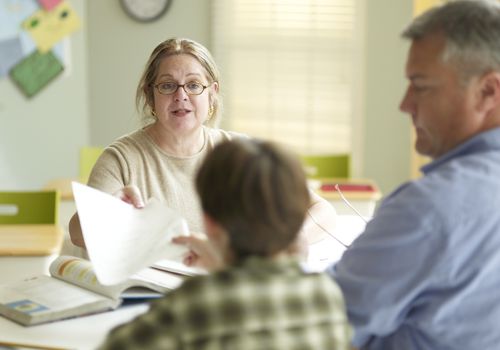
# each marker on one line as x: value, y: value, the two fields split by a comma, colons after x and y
x: 489, y: 93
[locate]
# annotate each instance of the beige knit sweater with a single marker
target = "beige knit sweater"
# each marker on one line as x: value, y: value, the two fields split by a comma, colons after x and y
x: 135, y: 159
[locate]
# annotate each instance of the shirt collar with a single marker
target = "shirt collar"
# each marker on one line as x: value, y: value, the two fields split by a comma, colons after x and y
x: 485, y: 141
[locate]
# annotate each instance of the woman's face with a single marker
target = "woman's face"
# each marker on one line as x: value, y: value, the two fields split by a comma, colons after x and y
x: 179, y: 112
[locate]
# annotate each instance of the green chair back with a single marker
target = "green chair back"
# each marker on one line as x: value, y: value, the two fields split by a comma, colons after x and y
x: 35, y: 207
x: 88, y: 157
x: 326, y: 166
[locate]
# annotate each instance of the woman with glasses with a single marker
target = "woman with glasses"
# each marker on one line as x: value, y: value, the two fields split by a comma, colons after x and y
x: 178, y: 97
x: 178, y: 100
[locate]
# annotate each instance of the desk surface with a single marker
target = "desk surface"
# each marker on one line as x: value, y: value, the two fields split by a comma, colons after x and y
x: 89, y: 331
x: 78, y: 333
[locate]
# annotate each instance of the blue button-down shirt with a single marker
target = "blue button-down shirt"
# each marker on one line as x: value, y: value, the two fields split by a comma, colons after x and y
x: 425, y: 274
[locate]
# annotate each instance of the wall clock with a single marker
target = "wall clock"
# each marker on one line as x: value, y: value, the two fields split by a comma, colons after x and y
x: 145, y: 10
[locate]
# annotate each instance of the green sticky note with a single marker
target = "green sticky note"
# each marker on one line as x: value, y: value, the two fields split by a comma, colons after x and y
x: 36, y: 71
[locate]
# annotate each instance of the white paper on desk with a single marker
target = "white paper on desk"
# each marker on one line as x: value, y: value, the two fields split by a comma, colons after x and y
x: 327, y: 250
x: 121, y: 239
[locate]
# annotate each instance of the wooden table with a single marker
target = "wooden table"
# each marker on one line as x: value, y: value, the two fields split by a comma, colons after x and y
x: 85, y: 332
x: 30, y: 239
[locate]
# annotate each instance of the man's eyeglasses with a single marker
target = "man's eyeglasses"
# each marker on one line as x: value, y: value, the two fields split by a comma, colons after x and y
x: 170, y: 87
x: 337, y: 188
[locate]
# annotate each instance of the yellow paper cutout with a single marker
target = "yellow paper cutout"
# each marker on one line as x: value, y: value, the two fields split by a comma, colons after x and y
x: 48, y: 27
x: 420, y: 6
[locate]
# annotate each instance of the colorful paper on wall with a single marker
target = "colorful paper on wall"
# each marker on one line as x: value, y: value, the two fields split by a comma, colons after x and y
x: 12, y: 13
x: 11, y: 52
x: 48, y: 5
x: 47, y: 28
x: 35, y: 72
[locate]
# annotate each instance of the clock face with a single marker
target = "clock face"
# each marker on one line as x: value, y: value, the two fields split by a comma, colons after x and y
x: 145, y: 10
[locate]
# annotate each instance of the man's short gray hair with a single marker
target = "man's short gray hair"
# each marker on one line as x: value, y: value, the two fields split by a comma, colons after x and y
x: 471, y: 29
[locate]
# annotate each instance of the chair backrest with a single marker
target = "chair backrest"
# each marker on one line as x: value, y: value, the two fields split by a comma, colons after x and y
x: 88, y: 157
x: 34, y: 207
x: 326, y: 166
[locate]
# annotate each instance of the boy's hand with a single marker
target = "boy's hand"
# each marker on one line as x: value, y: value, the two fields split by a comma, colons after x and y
x: 201, y: 252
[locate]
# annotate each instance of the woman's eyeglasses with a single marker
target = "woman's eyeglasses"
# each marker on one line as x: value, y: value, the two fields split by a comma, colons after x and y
x: 170, y: 87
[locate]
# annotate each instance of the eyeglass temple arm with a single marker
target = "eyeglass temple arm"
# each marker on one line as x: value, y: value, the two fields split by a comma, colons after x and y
x: 337, y: 188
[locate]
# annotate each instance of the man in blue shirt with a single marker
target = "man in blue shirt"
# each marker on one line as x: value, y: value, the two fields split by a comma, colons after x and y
x: 426, y: 272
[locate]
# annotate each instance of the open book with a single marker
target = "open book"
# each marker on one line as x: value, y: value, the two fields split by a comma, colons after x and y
x: 73, y: 290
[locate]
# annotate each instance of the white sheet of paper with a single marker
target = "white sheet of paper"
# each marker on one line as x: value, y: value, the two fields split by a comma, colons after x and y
x: 121, y: 239
x: 326, y: 250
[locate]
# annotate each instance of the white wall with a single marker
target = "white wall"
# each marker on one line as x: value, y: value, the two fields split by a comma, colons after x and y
x: 116, y: 61
x: 386, y: 130
x: 40, y: 137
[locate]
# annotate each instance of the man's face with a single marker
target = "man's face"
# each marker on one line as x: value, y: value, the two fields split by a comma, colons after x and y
x: 440, y: 105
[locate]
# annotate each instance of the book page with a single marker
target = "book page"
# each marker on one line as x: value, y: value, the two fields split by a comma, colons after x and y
x: 120, y: 239
x: 43, y: 298
x: 80, y: 272
x: 178, y: 267
x: 160, y: 281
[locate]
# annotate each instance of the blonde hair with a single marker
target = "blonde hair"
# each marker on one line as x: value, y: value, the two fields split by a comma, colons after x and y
x: 176, y: 46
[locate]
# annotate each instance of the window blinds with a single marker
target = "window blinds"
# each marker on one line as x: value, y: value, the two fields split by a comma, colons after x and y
x: 287, y: 70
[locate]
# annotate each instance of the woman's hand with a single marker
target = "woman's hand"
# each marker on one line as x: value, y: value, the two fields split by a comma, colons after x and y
x: 201, y: 252
x: 128, y: 194
x: 75, y: 231
x: 131, y: 195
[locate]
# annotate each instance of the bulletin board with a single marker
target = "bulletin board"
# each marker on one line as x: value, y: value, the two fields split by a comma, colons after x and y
x: 34, y: 42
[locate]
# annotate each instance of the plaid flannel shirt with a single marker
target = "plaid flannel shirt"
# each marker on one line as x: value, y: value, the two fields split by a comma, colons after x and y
x: 259, y: 304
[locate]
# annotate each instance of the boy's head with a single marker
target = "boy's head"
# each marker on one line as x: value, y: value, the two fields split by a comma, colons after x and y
x: 256, y: 192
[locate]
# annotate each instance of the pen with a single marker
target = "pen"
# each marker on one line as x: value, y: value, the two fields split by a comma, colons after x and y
x: 29, y: 346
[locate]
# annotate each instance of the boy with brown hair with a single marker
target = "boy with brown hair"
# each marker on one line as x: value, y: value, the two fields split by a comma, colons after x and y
x: 254, y: 198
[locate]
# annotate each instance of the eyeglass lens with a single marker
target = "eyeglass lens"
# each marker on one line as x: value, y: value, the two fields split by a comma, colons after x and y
x: 191, y: 88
